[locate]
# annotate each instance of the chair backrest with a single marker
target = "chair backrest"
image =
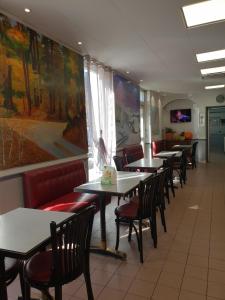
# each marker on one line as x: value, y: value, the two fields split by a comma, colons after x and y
x: 194, y: 148
x: 161, y: 179
x: 133, y: 153
x: 70, y: 242
x: 146, y: 191
x: 119, y: 162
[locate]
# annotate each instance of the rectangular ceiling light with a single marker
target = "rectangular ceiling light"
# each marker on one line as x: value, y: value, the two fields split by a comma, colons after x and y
x: 210, y: 87
x: 215, y: 70
x: 204, y: 12
x: 210, y: 56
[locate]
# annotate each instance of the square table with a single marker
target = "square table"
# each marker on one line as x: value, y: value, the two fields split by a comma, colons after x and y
x: 146, y: 164
x: 168, y: 154
x: 125, y: 183
x: 23, y: 232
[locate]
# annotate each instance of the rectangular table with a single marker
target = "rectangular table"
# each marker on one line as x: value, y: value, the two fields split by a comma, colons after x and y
x: 126, y: 182
x: 146, y: 164
x: 23, y: 232
x: 169, y: 154
x: 182, y: 147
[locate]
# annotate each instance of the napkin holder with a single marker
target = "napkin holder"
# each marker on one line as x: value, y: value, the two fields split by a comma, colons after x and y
x: 109, y: 175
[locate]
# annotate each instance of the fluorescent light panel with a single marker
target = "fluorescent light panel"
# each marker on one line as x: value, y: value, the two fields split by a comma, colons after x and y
x: 211, y: 87
x: 210, y: 56
x: 213, y: 70
x: 204, y: 12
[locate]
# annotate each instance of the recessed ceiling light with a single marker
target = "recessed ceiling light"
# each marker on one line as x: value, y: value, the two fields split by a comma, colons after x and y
x: 127, y: 72
x: 27, y: 10
x: 213, y: 70
x: 141, y: 80
x: 210, y: 87
x: 209, y: 56
x: 204, y: 12
x: 79, y: 43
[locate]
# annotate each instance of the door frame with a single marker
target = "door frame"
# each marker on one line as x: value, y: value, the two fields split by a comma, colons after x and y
x: 207, y: 127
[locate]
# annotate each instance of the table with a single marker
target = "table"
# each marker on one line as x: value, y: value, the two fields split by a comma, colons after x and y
x: 126, y: 182
x: 182, y: 147
x: 149, y: 164
x: 169, y: 154
x: 23, y: 232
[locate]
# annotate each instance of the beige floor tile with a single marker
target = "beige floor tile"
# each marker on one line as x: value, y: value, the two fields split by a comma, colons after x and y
x: 82, y: 292
x: 141, y: 288
x: 217, y: 264
x: 147, y: 274
x: 120, y: 282
x: 101, y: 277
x: 194, y: 285
x: 174, y: 267
x: 135, y: 297
x: 165, y: 293
x: 177, y: 256
x: 198, y: 261
x: 111, y: 294
x: 172, y: 280
x: 185, y: 295
x: 128, y: 269
x: 216, y: 290
x: 216, y: 276
x: 196, y: 272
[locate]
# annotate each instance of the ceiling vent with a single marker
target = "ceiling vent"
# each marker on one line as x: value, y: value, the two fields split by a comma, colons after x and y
x: 220, y: 99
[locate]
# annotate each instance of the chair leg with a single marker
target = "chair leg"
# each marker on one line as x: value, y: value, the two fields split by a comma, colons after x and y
x: 87, y: 278
x: 154, y: 230
x: 167, y: 192
x: 25, y: 287
x: 117, y: 233
x: 140, y: 242
x: 130, y: 231
x: 58, y: 292
x: 161, y: 208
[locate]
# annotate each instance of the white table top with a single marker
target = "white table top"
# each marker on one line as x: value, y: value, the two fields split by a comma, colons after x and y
x: 148, y: 163
x: 126, y: 182
x: 189, y: 146
x: 23, y: 229
x: 168, y: 154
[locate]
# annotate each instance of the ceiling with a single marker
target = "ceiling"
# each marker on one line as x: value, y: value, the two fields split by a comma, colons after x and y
x: 145, y: 37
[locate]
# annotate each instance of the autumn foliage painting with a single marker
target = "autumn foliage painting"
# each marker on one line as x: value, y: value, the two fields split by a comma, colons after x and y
x: 42, y: 101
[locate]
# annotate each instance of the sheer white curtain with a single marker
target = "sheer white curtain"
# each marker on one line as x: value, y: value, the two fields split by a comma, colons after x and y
x: 100, y: 113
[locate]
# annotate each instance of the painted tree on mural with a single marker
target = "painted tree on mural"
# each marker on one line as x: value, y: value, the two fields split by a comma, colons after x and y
x: 42, y: 81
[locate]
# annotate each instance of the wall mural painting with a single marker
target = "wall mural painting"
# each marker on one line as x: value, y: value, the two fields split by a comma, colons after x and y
x: 127, y: 99
x: 42, y: 101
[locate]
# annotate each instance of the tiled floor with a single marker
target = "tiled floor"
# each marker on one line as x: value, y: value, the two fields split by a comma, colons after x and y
x: 189, y: 263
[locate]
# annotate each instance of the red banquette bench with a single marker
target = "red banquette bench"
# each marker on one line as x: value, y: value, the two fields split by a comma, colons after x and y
x: 51, y: 188
x: 133, y: 153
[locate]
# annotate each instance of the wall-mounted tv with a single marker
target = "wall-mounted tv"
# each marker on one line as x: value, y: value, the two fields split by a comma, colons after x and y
x: 180, y: 115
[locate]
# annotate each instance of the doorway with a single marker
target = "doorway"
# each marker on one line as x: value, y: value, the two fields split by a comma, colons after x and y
x: 216, y: 134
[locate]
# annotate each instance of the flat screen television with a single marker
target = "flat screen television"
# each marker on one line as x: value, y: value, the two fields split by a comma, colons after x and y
x: 180, y: 115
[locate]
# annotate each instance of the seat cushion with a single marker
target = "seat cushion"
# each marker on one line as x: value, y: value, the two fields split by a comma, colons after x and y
x: 71, y: 202
x: 39, y: 267
x: 128, y: 210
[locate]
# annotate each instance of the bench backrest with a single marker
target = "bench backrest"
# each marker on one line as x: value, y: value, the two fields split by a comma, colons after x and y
x: 133, y: 153
x: 49, y: 183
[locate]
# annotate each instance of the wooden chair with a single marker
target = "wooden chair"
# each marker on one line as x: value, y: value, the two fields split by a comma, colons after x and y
x: 168, y: 163
x: 193, y: 155
x: 181, y: 168
x: 67, y: 259
x: 140, y: 207
x: 119, y: 163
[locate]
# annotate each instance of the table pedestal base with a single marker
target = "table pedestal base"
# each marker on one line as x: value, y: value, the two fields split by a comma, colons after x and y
x: 109, y: 252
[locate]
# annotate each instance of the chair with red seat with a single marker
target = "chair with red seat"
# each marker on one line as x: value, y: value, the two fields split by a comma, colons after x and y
x: 139, y: 207
x: 67, y: 259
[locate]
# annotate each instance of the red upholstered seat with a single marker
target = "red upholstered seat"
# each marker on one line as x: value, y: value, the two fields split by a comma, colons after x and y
x: 129, y: 210
x: 70, y: 202
x: 51, y: 188
x: 133, y: 153
x: 35, y: 270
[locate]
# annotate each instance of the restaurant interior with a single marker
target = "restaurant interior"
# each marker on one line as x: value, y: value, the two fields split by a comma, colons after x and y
x: 112, y: 150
